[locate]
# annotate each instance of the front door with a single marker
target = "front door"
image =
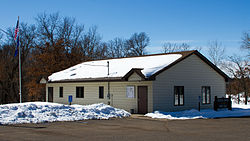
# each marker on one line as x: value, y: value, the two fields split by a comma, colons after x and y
x: 142, y: 99
x: 50, y: 94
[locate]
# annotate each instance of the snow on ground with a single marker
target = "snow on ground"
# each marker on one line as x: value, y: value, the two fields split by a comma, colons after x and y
x: 241, y: 97
x: 238, y: 110
x: 241, y: 106
x: 242, y: 101
x: 37, y: 112
x: 118, y: 67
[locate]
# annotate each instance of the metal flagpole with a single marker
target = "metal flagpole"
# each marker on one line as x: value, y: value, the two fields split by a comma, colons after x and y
x: 108, y: 81
x: 20, y: 73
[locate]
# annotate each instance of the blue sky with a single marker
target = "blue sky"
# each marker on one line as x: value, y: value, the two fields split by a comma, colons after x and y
x: 193, y: 21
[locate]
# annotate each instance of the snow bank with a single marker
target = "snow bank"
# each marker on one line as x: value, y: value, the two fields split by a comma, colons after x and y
x: 235, y: 99
x: 117, y: 67
x: 37, y: 112
x: 237, y: 111
x: 241, y: 106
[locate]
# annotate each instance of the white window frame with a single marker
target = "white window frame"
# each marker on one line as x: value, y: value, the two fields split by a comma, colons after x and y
x: 206, y: 94
x: 130, y: 91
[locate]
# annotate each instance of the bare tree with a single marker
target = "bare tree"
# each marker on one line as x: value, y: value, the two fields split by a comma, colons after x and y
x: 198, y: 48
x: 53, y: 27
x: 69, y: 31
x: 28, y: 41
x: 234, y: 88
x: 48, y: 27
x: 91, y: 42
x: 1, y: 36
x: 238, y: 67
x: 246, y: 42
x: 216, y: 52
x: 60, y: 44
x: 136, y: 45
x: 72, y: 36
x: 101, y: 51
x: 116, y: 48
x: 174, y: 47
x: 170, y: 47
x: 66, y: 30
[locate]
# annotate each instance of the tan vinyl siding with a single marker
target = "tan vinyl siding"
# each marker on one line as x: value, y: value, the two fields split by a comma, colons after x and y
x: 91, y: 93
x: 192, y: 73
x: 134, y: 77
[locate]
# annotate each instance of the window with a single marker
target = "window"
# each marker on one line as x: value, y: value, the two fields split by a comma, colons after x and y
x: 79, y: 92
x: 206, y: 94
x: 101, y: 89
x: 130, y: 92
x: 60, y: 91
x: 178, y: 95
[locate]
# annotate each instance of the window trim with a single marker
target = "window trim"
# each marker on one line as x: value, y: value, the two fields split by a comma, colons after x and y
x: 206, y: 102
x: 101, y: 87
x: 60, y: 92
x: 79, y: 95
x: 175, y: 87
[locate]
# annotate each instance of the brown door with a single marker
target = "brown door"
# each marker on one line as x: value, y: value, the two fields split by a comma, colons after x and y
x: 142, y: 99
x: 50, y: 94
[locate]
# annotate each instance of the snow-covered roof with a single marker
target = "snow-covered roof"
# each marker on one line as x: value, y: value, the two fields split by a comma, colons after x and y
x: 117, y: 67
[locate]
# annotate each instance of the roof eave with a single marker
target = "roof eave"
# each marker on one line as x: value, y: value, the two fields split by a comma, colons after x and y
x: 103, y: 79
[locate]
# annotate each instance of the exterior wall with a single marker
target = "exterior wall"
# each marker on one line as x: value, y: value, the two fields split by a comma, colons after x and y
x: 134, y: 77
x: 91, y: 93
x: 192, y: 73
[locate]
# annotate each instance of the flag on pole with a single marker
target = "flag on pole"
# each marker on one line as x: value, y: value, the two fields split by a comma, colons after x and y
x: 17, y: 46
x: 17, y: 29
x: 17, y: 37
x: 18, y: 51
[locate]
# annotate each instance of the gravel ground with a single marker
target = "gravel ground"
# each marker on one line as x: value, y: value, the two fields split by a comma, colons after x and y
x: 134, y: 128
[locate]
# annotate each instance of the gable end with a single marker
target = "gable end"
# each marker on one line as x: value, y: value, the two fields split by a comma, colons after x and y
x: 133, y: 71
x: 203, y: 58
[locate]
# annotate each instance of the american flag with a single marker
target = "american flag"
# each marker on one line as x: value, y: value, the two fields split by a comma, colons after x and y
x: 17, y: 29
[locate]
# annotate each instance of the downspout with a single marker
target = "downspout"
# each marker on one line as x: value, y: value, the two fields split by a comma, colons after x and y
x: 109, y: 96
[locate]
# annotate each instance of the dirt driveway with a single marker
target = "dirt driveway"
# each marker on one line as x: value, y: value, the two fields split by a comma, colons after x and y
x: 132, y: 129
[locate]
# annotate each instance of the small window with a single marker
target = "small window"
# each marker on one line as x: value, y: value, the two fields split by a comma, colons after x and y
x: 60, y: 91
x: 130, y: 91
x: 101, y: 92
x: 79, y: 92
x: 206, y: 94
x: 178, y: 95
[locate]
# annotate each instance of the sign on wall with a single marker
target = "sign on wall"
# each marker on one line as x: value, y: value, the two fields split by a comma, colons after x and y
x: 130, y: 92
x: 70, y: 99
